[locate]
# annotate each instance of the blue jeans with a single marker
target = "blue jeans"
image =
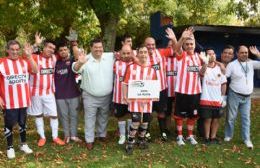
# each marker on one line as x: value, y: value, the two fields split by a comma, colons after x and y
x: 243, y: 105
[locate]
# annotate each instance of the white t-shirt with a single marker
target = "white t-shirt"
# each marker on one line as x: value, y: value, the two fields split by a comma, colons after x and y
x: 211, y: 87
x: 242, y: 75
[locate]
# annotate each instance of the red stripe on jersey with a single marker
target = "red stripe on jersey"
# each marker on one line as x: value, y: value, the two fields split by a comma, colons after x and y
x: 210, y: 103
x: 18, y: 87
x: 171, y: 72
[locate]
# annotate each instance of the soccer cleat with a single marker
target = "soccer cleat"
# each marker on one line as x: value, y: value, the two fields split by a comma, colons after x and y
x: 58, y: 141
x: 227, y: 139
x: 249, y: 144
x: 41, y: 142
x: 180, y: 140
x: 164, y: 136
x: 192, y: 140
x: 25, y: 148
x: 148, y: 137
x: 76, y: 139
x: 121, y: 140
x: 10, y: 153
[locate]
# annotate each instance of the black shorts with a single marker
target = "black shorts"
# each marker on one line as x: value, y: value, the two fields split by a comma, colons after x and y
x: 210, y: 112
x: 137, y: 117
x: 186, y: 106
x: 161, y: 105
x: 170, y: 101
x: 120, y: 110
x: 13, y: 116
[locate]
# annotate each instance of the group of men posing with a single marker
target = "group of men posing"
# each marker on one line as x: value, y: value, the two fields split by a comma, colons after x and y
x: 44, y: 85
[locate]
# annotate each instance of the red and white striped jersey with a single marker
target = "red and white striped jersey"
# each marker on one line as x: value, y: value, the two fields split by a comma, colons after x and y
x: 158, y: 61
x: 119, y: 73
x: 211, y: 87
x: 188, y: 79
x: 138, y: 72
x: 14, y: 83
x: 42, y: 83
x: 171, y: 73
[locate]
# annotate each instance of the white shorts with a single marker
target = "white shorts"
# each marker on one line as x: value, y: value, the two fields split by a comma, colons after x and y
x: 45, y: 105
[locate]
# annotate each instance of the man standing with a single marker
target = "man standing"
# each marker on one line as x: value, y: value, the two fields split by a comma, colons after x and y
x: 67, y: 94
x: 15, y: 93
x: 42, y: 91
x: 241, y: 74
x: 97, y: 85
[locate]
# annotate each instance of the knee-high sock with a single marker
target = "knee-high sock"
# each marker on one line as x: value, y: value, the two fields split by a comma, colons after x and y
x: 190, y: 125
x: 40, y: 126
x: 179, y: 123
x: 121, y: 126
x: 54, y: 127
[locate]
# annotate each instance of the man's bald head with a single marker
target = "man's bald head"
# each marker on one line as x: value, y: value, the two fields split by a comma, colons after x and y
x: 126, y: 52
x: 150, y: 44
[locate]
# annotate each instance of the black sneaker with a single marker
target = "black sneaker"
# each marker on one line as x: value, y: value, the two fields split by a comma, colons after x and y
x: 129, y: 149
x: 143, y: 144
x: 215, y: 141
x: 164, y: 137
x: 207, y: 141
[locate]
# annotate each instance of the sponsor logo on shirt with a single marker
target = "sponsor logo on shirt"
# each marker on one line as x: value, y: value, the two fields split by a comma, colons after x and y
x: 16, y: 79
x: 193, y: 68
x: 171, y: 73
x: 156, y: 67
x: 46, y: 71
x: 62, y: 71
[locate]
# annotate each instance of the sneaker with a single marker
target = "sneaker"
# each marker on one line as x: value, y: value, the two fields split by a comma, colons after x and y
x: 206, y: 141
x: 58, y: 141
x: 76, y: 139
x: 249, y: 144
x: 215, y: 141
x: 121, y: 140
x: 67, y: 140
x: 25, y: 148
x: 192, y: 140
x: 129, y: 149
x: 10, y: 153
x: 41, y: 142
x: 227, y: 139
x: 180, y: 140
x: 148, y: 137
x: 164, y: 136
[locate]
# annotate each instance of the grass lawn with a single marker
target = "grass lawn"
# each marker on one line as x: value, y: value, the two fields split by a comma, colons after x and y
x: 110, y: 154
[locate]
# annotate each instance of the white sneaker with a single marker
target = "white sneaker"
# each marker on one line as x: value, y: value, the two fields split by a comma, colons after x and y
x: 25, y: 148
x: 11, y: 153
x: 249, y: 144
x: 180, y: 140
x: 192, y: 140
x: 121, y: 140
x: 227, y: 139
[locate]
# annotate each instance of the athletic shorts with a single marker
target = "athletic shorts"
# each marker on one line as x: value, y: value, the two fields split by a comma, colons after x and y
x: 210, y: 112
x: 161, y: 105
x: 13, y: 116
x: 120, y: 110
x: 45, y: 105
x: 137, y: 117
x: 186, y: 106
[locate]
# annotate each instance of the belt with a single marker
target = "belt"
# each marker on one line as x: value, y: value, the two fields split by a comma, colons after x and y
x: 243, y: 95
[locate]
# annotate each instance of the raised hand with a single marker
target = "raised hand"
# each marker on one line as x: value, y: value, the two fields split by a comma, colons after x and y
x: 28, y: 50
x: 170, y: 34
x: 254, y: 51
x: 204, y: 57
x: 82, y: 59
x: 188, y: 33
x: 38, y: 38
x: 73, y: 36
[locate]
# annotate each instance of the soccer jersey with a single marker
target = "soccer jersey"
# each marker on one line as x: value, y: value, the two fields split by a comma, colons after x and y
x: 119, y: 73
x: 138, y: 72
x: 188, y: 79
x: 42, y: 83
x: 158, y: 62
x: 171, y: 73
x: 14, y: 83
x: 211, y: 87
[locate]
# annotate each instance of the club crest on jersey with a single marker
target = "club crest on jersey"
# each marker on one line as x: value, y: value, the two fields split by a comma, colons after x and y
x: 121, y: 78
x: 193, y: 68
x: 46, y: 71
x: 156, y: 66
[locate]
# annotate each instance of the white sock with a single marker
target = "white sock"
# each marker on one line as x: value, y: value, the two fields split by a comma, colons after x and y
x: 40, y: 126
x: 121, y: 126
x: 54, y: 127
x: 129, y: 122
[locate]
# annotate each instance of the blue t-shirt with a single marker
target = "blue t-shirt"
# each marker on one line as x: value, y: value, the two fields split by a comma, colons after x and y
x: 65, y: 83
